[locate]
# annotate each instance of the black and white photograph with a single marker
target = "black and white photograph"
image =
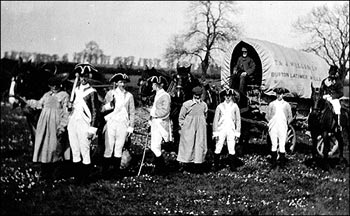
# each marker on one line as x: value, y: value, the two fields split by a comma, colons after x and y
x: 174, y: 108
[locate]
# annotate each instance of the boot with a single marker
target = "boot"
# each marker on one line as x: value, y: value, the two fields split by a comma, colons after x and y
x: 216, y: 162
x: 273, y: 159
x: 116, y: 167
x: 159, y: 165
x: 84, y: 174
x: 106, y: 162
x: 198, y: 168
x: 77, y: 170
x: 282, y: 160
x: 46, y: 173
x: 232, y: 161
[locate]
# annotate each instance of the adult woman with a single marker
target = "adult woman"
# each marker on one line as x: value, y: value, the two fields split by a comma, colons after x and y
x: 49, y: 147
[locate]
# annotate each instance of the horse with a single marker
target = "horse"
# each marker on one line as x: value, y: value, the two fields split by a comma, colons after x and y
x: 322, y: 124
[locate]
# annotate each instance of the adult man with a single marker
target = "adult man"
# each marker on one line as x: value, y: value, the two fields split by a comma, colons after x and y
x: 119, y: 123
x: 226, y: 126
x: 83, y: 122
x: 160, y: 121
x: 244, y: 69
x: 279, y: 116
x: 332, y: 89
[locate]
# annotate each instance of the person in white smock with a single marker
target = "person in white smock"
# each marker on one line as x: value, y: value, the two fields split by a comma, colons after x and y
x: 226, y: 126
x: 279, y: 116
x: 119, y: 123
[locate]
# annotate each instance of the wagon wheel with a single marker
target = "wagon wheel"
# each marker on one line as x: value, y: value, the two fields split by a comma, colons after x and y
x: 333, y: 145
x: 291, y: 140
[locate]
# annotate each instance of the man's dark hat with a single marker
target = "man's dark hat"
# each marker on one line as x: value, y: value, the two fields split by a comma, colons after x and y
x: 281, y: 90
x: 58, y: 79
x: 119, y: 76
x: 197, y: 90
x: 86, y: 69
x: 158, y: 80
x: 228, y: 92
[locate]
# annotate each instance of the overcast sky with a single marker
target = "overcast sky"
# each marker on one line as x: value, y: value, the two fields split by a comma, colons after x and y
x: 140, y: 29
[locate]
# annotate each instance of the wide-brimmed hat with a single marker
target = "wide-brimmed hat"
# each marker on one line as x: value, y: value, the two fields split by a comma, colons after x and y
x: 244, y: 49
x: 281, y: 90
x: 158, y: 80
x: 86, y: 70
x: 58, y: 79
x: 197, y: 90
x: 119, y: 76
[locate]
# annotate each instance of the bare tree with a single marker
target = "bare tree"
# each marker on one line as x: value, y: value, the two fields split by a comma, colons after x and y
x: 92, y: 52
x: 174, y: 50
x: 211, y: 28
x: 328, y: 32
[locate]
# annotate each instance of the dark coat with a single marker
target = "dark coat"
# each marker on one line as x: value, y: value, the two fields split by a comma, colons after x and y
x: 246, y: 64
x: 335, y: 90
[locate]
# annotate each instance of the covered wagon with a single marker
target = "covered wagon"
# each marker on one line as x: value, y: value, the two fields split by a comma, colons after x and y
x: 276, y: 66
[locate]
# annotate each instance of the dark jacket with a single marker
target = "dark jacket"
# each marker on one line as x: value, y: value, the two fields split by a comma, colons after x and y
x: 335, y: 90
x: 245, y: 64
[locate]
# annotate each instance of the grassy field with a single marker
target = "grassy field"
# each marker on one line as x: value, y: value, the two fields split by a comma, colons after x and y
x: 253, y: 189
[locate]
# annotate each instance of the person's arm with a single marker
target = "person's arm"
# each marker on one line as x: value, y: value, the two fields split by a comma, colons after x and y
x: 269, y: 112
x: 182, y: 114
x: 217, y: 116
x: 107, y: 101
x: 251, y: 67
x: 289, y: 114
x: 162, y: 107
x: 131, y: 114
x: 237, y: 121
x: 94, y: 112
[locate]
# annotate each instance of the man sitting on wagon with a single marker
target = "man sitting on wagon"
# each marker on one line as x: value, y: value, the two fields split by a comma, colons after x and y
x: 332, y: 89
x: 243, y: 70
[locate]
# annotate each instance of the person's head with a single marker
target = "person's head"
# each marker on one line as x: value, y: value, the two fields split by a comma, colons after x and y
x: 333, y: 71
x: 157, y: 82
x: 228, y: 95
x: 280, y: 93
x: 86, y: 72
x: 197, y: 92
x: 55, y: 83
x: 120, y: 79
x: 244, y: 52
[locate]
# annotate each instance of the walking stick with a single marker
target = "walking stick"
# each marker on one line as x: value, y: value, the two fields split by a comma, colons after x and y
x: 143, y: 156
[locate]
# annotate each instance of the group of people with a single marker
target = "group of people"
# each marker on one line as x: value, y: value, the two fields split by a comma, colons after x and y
x: 78, y: 115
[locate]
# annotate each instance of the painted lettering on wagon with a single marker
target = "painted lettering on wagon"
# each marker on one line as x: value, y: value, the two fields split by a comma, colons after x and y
x: 296, y: 65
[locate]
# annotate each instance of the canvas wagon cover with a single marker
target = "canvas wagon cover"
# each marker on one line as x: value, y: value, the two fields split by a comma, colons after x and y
x: 282, y: 67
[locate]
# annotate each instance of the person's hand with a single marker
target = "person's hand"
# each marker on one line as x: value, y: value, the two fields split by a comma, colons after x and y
x: 70, y: 106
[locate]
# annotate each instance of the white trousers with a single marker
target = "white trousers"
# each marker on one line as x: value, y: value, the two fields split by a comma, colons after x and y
x: 336, y: 105
x: 278, y: 135
x: 115, y: 136
x: 78, y: 139
x: 231, y: 142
